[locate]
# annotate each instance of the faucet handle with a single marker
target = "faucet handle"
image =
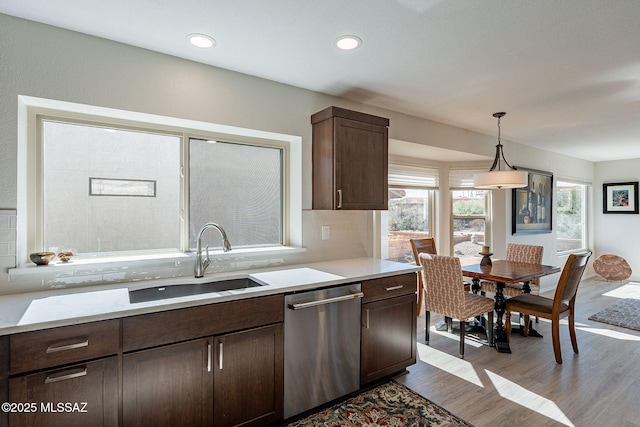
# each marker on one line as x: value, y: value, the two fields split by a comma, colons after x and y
x: 206, y: 261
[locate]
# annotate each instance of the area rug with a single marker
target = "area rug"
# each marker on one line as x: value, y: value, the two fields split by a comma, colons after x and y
x: 390, y: 404
x: 625, y: 313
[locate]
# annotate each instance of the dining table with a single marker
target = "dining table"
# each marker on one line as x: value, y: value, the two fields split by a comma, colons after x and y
x: 504, y: 272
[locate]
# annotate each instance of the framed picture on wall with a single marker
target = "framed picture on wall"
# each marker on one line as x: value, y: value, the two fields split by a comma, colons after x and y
x: 620, y: 197
x: 532, y: 206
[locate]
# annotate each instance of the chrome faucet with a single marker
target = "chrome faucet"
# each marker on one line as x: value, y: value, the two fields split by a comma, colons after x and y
x: 201, y: 265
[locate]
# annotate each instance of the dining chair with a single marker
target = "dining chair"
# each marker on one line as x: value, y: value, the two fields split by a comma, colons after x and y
x: 562, y: 305
x: 518, y: 253
x: 426, y: 245
x: 445, y: 294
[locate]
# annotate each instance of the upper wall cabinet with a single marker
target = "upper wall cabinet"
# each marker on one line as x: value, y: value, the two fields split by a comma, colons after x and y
x: 350, y: 151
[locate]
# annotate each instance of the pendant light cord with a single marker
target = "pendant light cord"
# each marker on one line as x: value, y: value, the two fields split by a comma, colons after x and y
x: 499, y: 153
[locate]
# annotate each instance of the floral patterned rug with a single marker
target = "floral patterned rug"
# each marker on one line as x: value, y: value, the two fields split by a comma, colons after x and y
x: 625, y: 313
x: 390, y: 404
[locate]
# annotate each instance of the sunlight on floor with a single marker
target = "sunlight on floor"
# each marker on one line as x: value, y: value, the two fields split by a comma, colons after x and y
x: 610, y: 334
x: 517, y: 394
x: 469, y: 339
x: 630, y: 290
x: 448, y: 363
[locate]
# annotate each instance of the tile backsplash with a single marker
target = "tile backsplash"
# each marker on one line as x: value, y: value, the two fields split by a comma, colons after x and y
x: 7, y: 239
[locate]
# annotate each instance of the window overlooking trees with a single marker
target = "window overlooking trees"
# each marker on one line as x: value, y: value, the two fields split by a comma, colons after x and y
x: 411, y: 210
x: 469, y: 212
x: 571, y: 199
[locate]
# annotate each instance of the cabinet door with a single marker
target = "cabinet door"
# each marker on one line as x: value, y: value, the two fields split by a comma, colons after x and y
x: 248, y: 377
x: 388, y: 337
x: 361, y: 163
x: 169, y: 386
x: 82, y: 395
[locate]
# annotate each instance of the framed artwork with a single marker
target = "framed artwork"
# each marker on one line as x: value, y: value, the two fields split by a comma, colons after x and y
x: 532, y: 206
x: 620, y: 198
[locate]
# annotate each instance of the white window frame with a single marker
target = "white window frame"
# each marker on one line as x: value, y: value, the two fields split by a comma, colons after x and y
x: 586, y: 202
x: 31, y: 110
x: 463, y: 181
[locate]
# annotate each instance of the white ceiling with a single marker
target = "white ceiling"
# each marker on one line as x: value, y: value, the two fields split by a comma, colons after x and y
x: 567, y: 72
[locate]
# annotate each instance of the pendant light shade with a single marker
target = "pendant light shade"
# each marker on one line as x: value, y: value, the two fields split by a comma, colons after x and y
x: 497, y: 178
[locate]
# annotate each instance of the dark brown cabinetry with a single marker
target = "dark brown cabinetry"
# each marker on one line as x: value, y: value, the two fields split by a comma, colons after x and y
x: 83, y: 395
x: 68, y: 376
x: 248, y: 377
x: 231, y: 376
x: 216, y: 364
x: 388, y: 343
x: 350, y: 157
x: 169, y: 386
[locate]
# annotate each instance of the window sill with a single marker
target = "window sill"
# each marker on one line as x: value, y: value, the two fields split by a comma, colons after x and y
x: 143, y: 261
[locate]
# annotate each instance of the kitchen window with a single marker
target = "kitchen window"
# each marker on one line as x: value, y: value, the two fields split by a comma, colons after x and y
x: 103, y: 186
x: 571, y: 216
x: 411, y: 210
x: 238, y: 186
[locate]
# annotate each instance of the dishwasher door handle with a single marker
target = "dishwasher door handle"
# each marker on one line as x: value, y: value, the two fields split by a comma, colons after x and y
x: 302, y: 305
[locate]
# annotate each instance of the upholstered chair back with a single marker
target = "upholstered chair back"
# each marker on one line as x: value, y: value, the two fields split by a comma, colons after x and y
x: 525, y: 253
x: 443, y: 282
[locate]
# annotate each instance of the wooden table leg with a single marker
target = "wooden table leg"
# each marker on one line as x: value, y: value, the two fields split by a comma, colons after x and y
x: 499, y: 332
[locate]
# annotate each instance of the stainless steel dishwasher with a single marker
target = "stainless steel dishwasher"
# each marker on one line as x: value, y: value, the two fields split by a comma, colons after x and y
x: 321, y: 346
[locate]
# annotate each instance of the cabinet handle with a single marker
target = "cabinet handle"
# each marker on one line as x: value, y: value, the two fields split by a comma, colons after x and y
x: 209, y: 351
x: 51, y: 349
x: 75, y: 374
x: 220, y: 354
x: 394, y: 288
x: 339, y: 199
x: 315, y: 303
x: 367, y: 312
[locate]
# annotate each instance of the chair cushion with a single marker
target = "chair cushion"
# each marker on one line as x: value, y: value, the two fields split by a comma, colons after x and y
x: 525, y: 303
x: 475, y: 305
x: 612, y: 267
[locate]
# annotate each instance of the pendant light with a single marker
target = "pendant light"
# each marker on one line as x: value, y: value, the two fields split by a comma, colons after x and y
x: 498, y: 178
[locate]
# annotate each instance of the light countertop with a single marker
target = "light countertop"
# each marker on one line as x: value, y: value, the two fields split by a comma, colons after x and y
x: 47, y: 309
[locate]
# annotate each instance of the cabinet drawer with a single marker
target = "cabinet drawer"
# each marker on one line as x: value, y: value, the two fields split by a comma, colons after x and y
x: 83, y: 395
x: 52, y: 347
x: 386, y: 287
x: 167, y: 327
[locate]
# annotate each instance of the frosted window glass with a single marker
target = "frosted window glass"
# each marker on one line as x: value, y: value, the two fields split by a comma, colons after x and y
x: 76, y: 220
x: 239, y: 187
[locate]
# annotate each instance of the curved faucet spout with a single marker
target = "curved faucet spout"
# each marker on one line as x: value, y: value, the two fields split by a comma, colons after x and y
x: 201, y: 265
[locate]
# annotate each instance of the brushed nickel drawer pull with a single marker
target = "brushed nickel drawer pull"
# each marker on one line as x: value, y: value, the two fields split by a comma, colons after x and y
x: 51, y: 349
x: 339, y: 199
x: 220, y: 353
x: 209, y: 357
x: 367, y: 311
x: 394, y: 288
x: 55, y: 379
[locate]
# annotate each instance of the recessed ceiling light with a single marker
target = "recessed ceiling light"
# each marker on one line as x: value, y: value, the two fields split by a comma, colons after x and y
x: 348, y: 42
x: 201, y: 40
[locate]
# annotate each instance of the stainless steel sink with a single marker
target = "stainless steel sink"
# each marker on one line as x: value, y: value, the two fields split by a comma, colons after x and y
x: 181, y: 290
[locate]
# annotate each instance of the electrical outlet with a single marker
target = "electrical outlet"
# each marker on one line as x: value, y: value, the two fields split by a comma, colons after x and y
x: 326, y: 232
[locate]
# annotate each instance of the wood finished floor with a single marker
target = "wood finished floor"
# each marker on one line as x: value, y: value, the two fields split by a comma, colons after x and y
x: 600, y: 386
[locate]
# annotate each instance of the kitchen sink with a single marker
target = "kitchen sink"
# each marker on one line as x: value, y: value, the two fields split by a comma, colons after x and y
x: 182, y: 290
